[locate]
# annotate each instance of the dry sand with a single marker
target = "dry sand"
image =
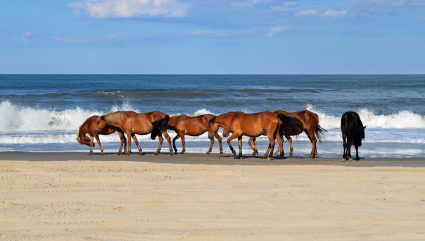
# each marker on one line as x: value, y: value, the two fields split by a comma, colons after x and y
x: 71, y: 196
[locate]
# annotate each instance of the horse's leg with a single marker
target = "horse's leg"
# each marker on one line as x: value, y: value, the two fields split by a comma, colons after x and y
x: 91, y: 145
x: 291, y: 147
x: 357, y: 152
x: 344, y: 144
x: 137, y: 144
x: 251, y: 139
x: 240, y: 146
x: 160, y: 140
x: 313, y: 140
x: 128, y: 133
x: 184, y: 143
x: 349, y: 149
x: 279, y: 141
x: 233, y: 136
x: 271, y: 146
x: 167, y: 137
x: 123, y: 141
x: 98, y: 142
x: 211, y: 146
x: 174, y: 143
x: 219, y: 143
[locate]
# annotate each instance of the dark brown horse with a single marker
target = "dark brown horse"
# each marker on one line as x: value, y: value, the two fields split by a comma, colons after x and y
x: 352, y: 134
x: 310, y: 125
x: 133, y: 123
x: 94, y: 128
x: 252, y: 125
x: 192, y: 126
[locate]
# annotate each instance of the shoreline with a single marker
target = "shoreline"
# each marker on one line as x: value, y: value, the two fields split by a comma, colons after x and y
x: 213, y: 159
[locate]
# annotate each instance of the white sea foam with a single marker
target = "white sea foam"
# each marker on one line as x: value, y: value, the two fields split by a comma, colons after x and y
x: 401, y: 120
x: 26, y: 125
x: 15, y: 118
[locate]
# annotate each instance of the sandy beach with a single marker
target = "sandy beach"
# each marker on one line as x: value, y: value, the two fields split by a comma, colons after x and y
x: 73, y: 196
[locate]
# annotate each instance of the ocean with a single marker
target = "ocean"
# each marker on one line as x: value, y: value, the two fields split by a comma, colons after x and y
x: 44, y: 112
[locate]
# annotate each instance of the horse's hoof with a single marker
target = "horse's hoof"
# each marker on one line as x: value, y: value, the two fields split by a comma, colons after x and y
x: 268, y: 159
x: 156, y: 153
x: 343, y: 160
x: 357, y: 158
x: 208, y: 152
x: 350, y: 159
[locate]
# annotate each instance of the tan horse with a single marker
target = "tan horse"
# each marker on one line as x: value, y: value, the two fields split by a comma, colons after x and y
x: 133, y: 123
x: 192, y: 126
x: 94, y: 128
x: 310, y: 125
x: 252, y: 125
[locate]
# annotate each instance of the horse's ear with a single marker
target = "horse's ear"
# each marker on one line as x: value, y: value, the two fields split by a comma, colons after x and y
x: 364, y: 127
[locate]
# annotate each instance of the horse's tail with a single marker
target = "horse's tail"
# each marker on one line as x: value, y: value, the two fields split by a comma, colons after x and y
x: 156, y: 132
x: 319, y: 132
x: 290, y: 124
x: 161, y: 124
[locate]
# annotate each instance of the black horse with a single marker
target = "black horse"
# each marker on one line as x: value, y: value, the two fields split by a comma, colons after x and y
x: 352, y: 133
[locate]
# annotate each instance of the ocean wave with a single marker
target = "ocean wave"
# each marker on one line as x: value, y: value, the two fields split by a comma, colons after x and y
x: 403, y: 119
x: 16, y: 118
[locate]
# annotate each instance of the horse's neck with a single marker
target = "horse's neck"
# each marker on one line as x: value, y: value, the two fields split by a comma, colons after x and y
x: 223, y: 122
x: 82, y: 131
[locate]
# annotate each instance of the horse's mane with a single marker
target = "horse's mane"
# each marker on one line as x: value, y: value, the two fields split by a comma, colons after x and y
x: 211, y: 121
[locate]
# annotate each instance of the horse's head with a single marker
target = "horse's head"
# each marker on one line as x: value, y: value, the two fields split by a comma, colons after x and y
x: 226, y: 132
x: 84, y: 140
x: 212, y: 128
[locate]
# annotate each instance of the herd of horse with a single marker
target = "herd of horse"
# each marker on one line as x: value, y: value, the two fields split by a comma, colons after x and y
x: 275, y: 125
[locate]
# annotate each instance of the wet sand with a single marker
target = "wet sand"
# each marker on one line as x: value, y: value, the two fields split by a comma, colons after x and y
x: 73, y: 196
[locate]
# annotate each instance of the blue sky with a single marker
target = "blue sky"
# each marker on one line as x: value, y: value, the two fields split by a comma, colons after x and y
x: 213, y: 36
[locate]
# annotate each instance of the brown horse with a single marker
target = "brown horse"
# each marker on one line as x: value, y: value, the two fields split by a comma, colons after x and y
x: 133, y: 123
x: 93, y: 127
x: 192, y: 126
x: 310, y: 125
x: 252, y: 125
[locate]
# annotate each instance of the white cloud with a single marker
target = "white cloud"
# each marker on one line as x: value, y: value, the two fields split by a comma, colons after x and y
x: 334, y: 13
x: 25, y: 37
x: 308, y: 12
x: 114, y: 38
x: 129, y: 8
x: 274, y: 30
x: 209, y: 32
x: 291, y: 4
x: 71, y: 38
